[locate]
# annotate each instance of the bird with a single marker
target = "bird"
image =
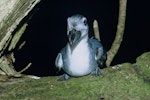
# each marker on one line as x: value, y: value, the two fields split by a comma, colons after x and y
x: 82, y: 55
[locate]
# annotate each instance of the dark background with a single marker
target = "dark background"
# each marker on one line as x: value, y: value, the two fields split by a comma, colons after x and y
x: 46, y: 32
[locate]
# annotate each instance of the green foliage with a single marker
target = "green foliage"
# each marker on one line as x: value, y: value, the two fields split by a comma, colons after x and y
x: 142, y: 66
x: 121, y: 82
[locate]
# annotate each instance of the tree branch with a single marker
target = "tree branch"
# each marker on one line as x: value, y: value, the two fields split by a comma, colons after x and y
x: 96, y: 30
x: 119, y: 34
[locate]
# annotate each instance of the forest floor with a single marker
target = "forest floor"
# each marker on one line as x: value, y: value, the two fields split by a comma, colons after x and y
x: 121, y: 82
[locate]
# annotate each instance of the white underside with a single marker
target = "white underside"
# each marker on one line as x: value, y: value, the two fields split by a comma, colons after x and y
x: 79, y: 59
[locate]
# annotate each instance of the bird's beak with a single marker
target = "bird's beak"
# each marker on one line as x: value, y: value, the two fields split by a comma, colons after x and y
x: 74, y: 37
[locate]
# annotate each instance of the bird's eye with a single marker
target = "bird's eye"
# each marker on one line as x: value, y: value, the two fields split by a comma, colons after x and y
x: 85, y: 21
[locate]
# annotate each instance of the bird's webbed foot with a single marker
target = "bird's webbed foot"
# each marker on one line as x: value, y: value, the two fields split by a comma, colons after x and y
x: 97, y: 72
x: 63, y: 77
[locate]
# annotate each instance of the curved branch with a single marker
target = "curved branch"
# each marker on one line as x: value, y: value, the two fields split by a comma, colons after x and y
x: 119, y: 34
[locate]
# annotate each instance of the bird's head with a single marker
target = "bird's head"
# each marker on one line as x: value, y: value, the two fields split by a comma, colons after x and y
x: 77, y: 29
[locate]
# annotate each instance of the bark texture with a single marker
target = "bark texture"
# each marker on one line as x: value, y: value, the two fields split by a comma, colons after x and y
x: 11, y: 14
x: 119, y: 34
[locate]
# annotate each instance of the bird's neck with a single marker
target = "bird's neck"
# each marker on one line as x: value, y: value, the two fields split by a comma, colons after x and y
x: 83, y: 41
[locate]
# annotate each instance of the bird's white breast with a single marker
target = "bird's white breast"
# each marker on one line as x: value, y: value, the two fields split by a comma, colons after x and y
x: 79, y: 59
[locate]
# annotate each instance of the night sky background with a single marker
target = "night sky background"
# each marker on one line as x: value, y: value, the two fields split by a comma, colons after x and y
x: 46, y: 32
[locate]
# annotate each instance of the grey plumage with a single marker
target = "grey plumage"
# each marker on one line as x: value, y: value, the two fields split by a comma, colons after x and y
x: 82, y: 55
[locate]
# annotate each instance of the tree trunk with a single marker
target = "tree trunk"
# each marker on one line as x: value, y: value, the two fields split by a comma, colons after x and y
x: 11, y: 14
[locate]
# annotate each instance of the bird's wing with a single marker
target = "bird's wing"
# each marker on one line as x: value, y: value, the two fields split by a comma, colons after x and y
x: 100, y: 53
